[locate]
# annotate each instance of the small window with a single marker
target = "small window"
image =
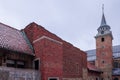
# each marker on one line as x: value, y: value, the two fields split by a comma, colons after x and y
x: 102, y: 39
x: 102, y: 32
x: 20, y: 64
x: 10, y: 63
x: 103, y: 62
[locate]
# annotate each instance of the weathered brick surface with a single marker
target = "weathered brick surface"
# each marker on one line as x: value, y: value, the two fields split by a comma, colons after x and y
x: 104, y: 52
x: 58, y: 58
x: 4, y: 75
x: 73, y: 61
x: 50, y: 55
x: 35, y: 31
x: 104, y: 56
x: 18, y: 74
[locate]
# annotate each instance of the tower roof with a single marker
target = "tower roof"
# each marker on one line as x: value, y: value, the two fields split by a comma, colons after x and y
x: 103, y: 29
x: 103, y: 21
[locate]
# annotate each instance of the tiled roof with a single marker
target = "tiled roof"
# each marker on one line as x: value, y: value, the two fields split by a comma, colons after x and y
x: 92, y: 67
x: 12, y: 39
x: 91, y: 54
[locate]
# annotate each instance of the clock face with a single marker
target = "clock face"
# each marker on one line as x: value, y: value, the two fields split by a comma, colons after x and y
x: 102, y: 32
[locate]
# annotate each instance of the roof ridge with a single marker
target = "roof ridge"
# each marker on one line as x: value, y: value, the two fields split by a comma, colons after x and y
x: 27, y: 40
x: 9, y: 26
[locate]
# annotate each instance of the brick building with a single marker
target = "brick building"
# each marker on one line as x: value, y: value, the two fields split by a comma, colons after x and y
x: 58, y: 59
x: 16, y: 55
x: 105, y: 57
x: 34, y: 53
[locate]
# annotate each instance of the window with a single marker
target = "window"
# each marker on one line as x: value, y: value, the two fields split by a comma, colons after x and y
x: 102, y: 39
x: 10, y: 63
x: 36, y: 64
x: 116, y: 65
x: 102, y: 32
x: 20, y: 64
x: 15, y: 63
x: 103, y: 62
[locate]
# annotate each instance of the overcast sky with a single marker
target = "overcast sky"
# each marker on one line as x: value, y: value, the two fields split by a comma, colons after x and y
x: 75, y: 21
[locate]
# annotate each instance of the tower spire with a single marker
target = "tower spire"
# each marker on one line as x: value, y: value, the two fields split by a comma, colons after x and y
x: 103, y: 21
x: 103, y: 29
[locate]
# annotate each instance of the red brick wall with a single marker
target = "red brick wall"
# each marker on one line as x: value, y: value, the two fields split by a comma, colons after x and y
x: 74, y: 60
x: 35, y: 31
x: 57, y: 60
x: 50, y: 54
x: 29, y: 30
x: 104, y: 56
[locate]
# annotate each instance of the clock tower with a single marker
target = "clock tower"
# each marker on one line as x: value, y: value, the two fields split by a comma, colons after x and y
x: 104, y: 49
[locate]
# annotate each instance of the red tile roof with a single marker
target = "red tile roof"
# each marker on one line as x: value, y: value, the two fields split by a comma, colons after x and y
x: 12, y: 39
x: 93, y: 67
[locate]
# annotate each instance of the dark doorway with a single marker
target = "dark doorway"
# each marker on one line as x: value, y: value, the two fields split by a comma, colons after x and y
x: 36, y: 63
x: 116, y: 79
x: 53, y: 79
x: 96, y: 78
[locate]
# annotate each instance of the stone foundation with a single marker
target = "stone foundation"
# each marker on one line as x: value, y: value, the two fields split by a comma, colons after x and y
x: 18, y: 74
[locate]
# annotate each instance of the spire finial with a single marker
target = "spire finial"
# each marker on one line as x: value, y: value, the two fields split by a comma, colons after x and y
x: 103, y: 21
x: 103, y: 8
